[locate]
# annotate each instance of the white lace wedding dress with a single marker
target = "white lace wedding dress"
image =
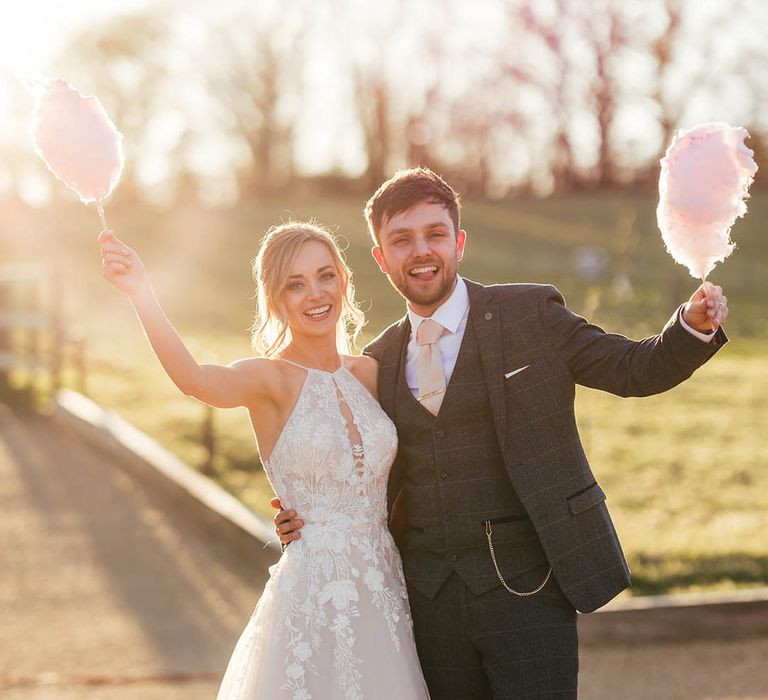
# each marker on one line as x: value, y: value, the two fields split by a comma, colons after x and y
x: 333, y: 621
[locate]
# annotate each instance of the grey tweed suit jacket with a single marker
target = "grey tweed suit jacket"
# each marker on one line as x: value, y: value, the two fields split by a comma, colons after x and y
x: 533, y: 352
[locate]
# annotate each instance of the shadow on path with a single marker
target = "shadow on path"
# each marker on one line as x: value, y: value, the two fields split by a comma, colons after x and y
x: 109, y: 575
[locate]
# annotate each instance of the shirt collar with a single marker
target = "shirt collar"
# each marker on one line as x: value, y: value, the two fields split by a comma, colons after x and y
x: 450, y: 313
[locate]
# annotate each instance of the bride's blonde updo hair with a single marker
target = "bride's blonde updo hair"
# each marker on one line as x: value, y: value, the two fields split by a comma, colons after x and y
x: 279, y: 247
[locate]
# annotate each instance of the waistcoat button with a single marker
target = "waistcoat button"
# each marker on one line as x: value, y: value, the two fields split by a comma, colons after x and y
x: 443, y: 475
x: 440, y: 433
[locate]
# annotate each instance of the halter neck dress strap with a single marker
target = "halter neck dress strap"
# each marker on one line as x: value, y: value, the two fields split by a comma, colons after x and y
x: 295, y: 364
x: 315, y: 369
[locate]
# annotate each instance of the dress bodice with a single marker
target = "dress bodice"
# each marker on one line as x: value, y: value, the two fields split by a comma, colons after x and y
x: 332, y: 459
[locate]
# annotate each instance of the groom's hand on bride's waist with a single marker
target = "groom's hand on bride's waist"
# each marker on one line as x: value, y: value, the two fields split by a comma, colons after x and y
x: 287, y: 525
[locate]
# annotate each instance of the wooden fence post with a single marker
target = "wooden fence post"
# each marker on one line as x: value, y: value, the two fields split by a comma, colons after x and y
x: 77, y: 343
x: 208, y: 441
x: 5, y: 341
x: 56, y: 328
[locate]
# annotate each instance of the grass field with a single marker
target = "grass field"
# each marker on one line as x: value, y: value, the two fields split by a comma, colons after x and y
x: 686, y: 473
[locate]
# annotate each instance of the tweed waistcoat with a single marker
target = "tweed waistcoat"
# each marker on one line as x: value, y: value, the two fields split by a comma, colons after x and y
x: 455, y: 480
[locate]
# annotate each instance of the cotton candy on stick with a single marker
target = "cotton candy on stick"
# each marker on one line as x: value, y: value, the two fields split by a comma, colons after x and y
x: 78, y: 142
x: 705, y: 178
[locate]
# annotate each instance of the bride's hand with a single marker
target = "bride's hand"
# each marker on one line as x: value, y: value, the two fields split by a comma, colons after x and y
x: 121, y: 265
x: 287, y: 525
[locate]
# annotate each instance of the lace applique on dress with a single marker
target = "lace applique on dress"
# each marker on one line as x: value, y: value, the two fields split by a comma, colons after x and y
x: 335, y: 611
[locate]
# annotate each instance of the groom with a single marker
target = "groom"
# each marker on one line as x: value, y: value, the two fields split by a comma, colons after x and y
x: 502, y: 527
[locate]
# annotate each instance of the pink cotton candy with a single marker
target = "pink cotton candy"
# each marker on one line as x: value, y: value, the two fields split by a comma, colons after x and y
x: 77, y: 141
x: 705, y: 177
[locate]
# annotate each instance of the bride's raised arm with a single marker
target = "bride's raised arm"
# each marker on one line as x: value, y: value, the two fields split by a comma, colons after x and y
x: 237, y: 384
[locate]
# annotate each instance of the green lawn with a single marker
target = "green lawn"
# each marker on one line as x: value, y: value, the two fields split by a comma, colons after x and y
x: 686, y: 473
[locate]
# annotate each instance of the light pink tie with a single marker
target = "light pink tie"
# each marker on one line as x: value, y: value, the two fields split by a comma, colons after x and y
x: 429, y: 366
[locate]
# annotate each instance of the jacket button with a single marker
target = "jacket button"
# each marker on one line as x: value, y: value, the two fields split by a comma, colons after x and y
x: 488, y: 315
x: 443, y: 475
x: 440, y: 433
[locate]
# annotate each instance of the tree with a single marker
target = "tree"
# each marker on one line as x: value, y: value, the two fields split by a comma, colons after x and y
x: 256, y: 79
x: 604, y: 30
x: 663, y: 50
x: 553, y: 35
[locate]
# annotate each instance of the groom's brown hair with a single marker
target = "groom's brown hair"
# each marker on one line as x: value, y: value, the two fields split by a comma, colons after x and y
x: 405, y: 189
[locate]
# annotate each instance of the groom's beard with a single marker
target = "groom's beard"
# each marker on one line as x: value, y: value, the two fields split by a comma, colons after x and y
x: 432, y: 294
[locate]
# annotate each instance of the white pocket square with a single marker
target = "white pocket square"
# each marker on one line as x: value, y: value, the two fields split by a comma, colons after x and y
x: 515, y: 371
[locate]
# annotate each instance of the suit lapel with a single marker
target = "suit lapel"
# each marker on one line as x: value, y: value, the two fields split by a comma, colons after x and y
x: 485, y: 321
x: 390, y: 366
x: 390, y: 369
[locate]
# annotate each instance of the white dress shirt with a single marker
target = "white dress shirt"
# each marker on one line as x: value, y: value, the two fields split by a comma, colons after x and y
x: 452, y: 315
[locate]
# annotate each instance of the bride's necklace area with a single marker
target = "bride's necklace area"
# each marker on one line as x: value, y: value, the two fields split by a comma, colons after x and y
x: 308, y: 365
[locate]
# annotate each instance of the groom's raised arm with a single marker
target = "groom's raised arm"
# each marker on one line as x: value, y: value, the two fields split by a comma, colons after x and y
x: 617, y: 364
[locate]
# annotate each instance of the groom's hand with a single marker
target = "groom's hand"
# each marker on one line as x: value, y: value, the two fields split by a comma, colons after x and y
x: 707, y: 309
x: 287, y: 525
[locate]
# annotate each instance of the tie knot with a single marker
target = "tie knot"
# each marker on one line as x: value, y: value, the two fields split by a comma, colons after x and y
x: 428, y: 332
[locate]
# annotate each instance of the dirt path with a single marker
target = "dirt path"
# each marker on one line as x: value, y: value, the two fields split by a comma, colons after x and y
x: 108, y: 589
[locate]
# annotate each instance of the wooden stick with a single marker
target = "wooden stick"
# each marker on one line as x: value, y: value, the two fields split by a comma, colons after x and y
x: 100, y: 209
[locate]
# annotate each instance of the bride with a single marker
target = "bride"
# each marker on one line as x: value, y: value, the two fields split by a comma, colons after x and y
x: 333, y: 620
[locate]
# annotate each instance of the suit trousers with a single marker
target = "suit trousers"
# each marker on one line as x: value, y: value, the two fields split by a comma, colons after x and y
x: 497, y: 645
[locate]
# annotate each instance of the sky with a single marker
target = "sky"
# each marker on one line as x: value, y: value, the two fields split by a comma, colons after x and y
x: 31, y: 31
